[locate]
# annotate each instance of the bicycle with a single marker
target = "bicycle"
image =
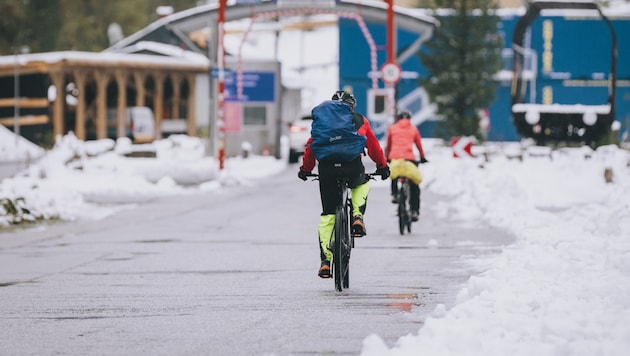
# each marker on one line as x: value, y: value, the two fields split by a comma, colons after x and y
x: 404, y: 203
x: 342, y: 241
x: 404, y: 209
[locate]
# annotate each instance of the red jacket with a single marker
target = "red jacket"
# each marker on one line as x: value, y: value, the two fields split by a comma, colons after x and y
x: 401, y: 137
x: 373, y: 147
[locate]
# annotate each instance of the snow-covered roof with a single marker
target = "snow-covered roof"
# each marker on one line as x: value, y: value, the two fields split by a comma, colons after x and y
x: 146, y: 47
x: 562, y: 109
x: 182, y: 59
x: 201, y: 17
x: 615, y: 8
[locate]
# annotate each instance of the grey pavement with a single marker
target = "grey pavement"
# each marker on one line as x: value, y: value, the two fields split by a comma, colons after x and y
x: 227, y: 273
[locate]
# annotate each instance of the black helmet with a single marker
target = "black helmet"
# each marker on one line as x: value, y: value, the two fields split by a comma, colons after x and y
x: 344, y: 96
x: 403, y: 115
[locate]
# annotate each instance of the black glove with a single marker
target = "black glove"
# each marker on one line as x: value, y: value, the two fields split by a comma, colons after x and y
x: 423, y: 160
x: 303, y: 175
x: 383, y: 172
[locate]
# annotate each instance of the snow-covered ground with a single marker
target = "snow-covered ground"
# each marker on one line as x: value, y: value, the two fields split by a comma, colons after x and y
x: 561, y: 289
x: 93, y: 179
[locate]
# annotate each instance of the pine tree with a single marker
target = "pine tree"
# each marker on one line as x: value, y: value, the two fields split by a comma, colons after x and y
x: 57, y: 25
x: 462, y: 59
x: 31, y: 25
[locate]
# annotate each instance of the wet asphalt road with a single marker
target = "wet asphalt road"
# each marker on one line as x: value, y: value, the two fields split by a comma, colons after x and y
x: 227, y: 273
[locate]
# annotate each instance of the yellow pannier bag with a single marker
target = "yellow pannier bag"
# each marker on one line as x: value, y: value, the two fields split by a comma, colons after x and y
x: 404, y: 168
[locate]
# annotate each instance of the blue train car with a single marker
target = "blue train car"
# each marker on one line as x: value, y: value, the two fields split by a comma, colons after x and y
x: 568, y: 63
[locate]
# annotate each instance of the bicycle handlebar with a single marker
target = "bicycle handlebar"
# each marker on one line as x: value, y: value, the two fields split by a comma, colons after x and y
x: 369, y: 175
x: 417, y: 162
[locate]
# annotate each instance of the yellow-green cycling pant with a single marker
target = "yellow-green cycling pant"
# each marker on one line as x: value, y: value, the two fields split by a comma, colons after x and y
x: 327, y: 222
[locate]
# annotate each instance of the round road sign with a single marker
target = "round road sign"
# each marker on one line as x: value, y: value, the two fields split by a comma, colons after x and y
x: 390, y: 72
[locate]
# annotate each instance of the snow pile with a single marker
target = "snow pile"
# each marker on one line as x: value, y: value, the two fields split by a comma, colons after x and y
x: 562, y: 288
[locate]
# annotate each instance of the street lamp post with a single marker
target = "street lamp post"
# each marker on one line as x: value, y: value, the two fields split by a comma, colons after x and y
x: 16, y: 95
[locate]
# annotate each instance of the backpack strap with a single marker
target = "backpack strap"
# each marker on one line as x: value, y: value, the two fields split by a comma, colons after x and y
x: 358, y: 120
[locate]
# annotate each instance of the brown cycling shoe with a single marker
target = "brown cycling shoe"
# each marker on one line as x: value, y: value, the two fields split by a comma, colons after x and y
x: 324, y: 270
x: 358, y: 227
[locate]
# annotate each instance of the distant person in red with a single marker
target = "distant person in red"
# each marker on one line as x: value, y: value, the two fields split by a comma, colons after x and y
x: 402, y: 136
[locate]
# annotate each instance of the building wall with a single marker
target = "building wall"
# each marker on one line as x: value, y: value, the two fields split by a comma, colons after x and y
x: 504, y: 4
x: 580, y: 56
x: 253, y: 119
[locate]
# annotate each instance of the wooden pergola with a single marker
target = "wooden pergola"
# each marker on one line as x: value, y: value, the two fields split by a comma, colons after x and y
x: 101, y: 81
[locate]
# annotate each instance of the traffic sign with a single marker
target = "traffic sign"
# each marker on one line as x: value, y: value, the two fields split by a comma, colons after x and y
x: 214, y: 72
x: 462, y: 146
x: 390, y: 72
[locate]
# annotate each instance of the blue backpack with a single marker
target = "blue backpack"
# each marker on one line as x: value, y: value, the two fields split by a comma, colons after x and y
x: 334, y: 132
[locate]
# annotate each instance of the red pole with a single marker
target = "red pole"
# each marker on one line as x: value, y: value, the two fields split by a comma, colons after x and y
x: 390, y: 31
x: 221, y: 84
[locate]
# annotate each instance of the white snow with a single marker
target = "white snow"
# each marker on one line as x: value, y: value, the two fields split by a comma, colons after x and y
x: 562, y: 288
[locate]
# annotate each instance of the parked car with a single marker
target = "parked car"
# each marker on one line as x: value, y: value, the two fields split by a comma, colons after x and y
x: 140, y: 125
x: 299, y: 132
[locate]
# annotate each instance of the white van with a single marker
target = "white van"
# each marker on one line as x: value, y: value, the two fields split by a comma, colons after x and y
x: 140, y: 124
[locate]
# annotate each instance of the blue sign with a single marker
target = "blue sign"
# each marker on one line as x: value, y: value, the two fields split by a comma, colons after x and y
x: 256, y: 86
x: 214, y: 72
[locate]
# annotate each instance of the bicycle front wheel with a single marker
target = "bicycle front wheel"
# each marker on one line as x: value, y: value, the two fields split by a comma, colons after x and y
x: 340, y: 263
x: 347, y: 248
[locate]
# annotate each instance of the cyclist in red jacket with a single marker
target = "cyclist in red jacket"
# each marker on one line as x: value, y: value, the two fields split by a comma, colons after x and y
x: 355, y: 171
x: 402, y: 136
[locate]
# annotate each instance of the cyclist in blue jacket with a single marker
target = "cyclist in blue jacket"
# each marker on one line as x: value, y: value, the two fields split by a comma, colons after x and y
x: 355, y: 171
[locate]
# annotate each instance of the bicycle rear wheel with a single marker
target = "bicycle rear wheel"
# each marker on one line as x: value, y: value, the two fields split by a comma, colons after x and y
x: 340, y: 244
x: 403, y: 218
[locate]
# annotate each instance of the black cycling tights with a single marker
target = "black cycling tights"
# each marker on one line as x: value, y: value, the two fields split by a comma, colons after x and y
x: 328, y: 173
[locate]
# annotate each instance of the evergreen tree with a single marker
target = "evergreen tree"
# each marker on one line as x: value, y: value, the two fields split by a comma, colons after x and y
x: 32, y: 24
x: 12, y: 13
x: 462, y: 59
x: 58, y: 25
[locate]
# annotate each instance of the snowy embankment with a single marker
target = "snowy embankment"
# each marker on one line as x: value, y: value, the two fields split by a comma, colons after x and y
x: 562, y: 288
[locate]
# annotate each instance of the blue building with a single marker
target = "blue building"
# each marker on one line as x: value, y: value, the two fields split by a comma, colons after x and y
x: 568, y: 62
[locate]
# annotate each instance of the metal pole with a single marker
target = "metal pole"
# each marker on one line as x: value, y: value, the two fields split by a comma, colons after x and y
x: 16, y: 104
x: 212, y: 119
x: 390, y: 31
x: 391, y: 39
x: 221, y: 89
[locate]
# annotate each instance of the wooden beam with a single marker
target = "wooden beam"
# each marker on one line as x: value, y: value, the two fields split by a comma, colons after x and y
x: 121, y: 108
x: 58, y: 81
x: 101, y: 103
x: 176, y: 80
x: 158, y: 104
x: 139, y: 81
x: 25, y: 120
x: 191, y: 128
x: 79, y: 125
x: 24, y: 102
